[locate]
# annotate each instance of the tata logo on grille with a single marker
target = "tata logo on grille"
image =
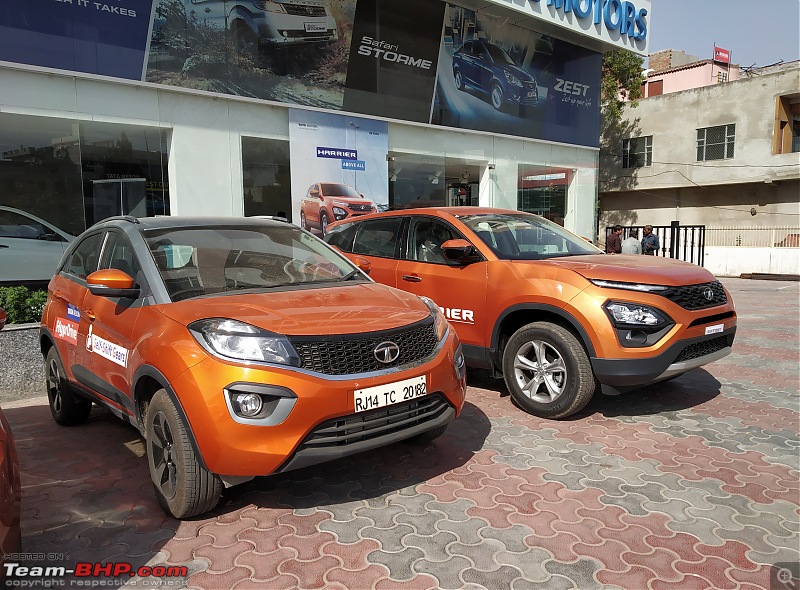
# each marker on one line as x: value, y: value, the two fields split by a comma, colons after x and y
x: 387, y: 352
x: 708, y: 293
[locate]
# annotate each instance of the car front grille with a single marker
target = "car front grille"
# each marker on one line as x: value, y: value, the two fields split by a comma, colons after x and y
x: 358, y: 207
x: 355, y: 428
x: 693, y: 297
x: 700, y: 349
x: 350, y: 354
x: 300, y: 10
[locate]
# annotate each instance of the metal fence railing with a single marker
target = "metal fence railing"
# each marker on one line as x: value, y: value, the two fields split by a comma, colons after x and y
x: 682, y: 242
x: 754, y: 237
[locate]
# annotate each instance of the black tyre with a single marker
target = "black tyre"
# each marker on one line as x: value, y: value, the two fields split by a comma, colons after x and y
x: 303, y: 223
x: 424, y: 438
x: 458, y: 79
x: 67, y: 408
x: 547, y: 371
x: 244, y: 43
x: 183, y: 486
x: 498, y: 98
x: 323, y: 223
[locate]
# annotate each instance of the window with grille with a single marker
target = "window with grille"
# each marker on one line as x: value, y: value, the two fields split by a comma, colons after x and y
x: 715, y: 143
x: 722, y: 77
x: 637, y: 152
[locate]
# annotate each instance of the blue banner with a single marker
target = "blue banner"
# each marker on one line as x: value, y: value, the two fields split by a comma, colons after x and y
x: 503, y: 79
x: 106, y: 37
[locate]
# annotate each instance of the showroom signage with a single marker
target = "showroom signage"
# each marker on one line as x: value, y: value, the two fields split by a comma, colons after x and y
x: 615, y: 14
x: 409, y: 60
x: 616, y: 22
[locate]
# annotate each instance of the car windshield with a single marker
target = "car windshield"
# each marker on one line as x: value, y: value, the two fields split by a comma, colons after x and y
x: 330, y: 189
x: 499, y: 56
x: 526, y: 237
x: 195, y: 261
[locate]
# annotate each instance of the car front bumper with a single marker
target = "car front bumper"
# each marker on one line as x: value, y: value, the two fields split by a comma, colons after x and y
x: 321, y: 423
x: 619, y: 375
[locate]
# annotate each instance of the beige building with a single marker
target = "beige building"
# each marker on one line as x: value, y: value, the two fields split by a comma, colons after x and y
x: 725, y: 155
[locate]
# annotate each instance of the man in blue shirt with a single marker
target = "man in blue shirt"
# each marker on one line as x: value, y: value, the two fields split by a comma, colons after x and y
x: 650, y: 244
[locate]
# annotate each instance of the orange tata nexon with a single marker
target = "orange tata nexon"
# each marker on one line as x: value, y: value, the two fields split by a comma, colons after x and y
x: 241, y: 347
x: 549, y: 311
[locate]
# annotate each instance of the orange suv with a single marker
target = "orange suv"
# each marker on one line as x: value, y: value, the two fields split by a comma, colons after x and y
x: 552, y: 314
x: 241, y: 347
x: 326, y: 202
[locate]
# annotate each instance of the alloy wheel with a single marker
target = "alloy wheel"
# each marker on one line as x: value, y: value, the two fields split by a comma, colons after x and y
x: 161, y: 445
x: 54, y: 386
x: 540, y: 371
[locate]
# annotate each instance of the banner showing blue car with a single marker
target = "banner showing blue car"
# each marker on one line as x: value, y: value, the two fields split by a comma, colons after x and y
x: 504, y: 79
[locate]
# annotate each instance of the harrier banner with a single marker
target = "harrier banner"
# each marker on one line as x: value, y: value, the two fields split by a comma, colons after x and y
x: 339, y: 167
x: 106, y: 37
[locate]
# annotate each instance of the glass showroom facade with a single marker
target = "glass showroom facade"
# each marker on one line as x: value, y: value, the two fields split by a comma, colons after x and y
x: 191, y: 107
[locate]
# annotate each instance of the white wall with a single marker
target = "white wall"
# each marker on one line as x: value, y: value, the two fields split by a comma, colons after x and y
x: 205, y: 130
x: 733, y: 262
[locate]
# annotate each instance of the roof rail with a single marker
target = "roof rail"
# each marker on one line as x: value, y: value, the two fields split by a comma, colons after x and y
x: 129, y: 218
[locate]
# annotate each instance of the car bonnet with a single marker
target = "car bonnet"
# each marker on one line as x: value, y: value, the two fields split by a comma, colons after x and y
x: 650, y: 270
x: 341, y: 309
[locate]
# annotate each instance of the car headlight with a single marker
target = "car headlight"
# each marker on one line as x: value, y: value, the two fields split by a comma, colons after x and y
x: 339, y: 211
x: 235, y: 340
x: 634, y: 314
x: 629, y: 286
x: 440, y: 322
x: 512, y: 79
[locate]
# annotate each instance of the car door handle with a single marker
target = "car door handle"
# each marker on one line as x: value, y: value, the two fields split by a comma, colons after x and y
x: 89, y: 314
x: 3, y: 246
x: 412, y: 278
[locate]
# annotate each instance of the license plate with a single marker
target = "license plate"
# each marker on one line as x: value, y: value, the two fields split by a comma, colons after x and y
x: 315, y: 28
x: 391, y: 393
x: 714, y: 329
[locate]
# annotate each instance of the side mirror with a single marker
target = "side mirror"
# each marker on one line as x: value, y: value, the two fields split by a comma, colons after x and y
x: 313, y: 193
x: 111, y: 282
x: 459, y: 252
x: 363, y: 264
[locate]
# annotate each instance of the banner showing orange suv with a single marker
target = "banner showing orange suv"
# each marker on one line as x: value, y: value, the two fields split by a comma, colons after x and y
x: 241, y: 347
x: 326, y: 202
x: 551, y: 313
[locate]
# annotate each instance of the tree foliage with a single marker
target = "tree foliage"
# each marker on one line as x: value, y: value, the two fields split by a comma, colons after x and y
x: 621, y: 83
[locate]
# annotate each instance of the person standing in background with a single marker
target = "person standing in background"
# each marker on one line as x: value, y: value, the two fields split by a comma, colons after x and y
x: 650, y: 244
x: 631, y: 245
x: 614, y: 242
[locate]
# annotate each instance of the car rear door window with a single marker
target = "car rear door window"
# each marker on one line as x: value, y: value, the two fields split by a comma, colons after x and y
x: 378, y: 237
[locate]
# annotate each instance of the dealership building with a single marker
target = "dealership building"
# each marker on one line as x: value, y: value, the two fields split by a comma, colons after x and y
x: 227, y: 107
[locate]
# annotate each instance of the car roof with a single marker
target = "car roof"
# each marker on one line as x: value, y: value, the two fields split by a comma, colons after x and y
x: 170, y: 222
x: 437, y: 212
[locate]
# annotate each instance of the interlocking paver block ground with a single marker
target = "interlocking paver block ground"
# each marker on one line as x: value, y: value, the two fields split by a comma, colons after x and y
x: 692, y: 483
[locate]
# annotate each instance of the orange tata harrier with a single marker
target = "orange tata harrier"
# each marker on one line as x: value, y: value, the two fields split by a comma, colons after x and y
x: 552, y: 314
x: 241, y: 347
x: 326, y: 202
